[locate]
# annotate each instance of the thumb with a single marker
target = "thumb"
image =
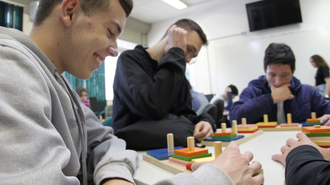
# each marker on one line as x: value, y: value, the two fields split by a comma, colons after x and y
x: 195, y: 166
x: 279, y: 158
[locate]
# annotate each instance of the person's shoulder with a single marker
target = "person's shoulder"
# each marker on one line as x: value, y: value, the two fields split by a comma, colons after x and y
x: 258, y: 83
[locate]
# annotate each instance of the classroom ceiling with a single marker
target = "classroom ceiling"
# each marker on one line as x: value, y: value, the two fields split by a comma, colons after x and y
x: 151, y: 11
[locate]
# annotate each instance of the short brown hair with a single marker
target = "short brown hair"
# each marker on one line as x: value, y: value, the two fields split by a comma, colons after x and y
x: 88, y: 6
x: 190, y: 25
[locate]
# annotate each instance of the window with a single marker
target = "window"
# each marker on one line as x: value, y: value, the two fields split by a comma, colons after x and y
x: 110, y: 65
x: 11, y: 16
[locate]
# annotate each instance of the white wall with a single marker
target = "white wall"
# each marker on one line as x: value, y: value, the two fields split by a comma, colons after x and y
x: 27, y: 24
x: 233, y: 58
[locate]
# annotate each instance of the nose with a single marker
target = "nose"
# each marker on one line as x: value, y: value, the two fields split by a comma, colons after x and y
x: 188, y: 59
x: 278, y: 82
x: 113, y: 50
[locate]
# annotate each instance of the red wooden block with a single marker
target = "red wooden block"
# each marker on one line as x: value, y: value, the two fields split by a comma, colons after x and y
x: 225, y: 133
x: 188, y: 166
x: 313, y: 120
x: 252, y: 131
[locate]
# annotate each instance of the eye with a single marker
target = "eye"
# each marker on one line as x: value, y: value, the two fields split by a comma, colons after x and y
x: 111, y: 33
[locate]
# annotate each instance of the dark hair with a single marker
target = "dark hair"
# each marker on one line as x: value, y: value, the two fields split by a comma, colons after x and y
x: 234, y: 89
x: 89, y: 7
x: 190, y: 25
x: 279, y: 54
x: 80, y: 90
x: 319, y: 61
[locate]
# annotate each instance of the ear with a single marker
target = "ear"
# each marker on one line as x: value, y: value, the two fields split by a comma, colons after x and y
x: 293, y: 70
x: 68, y: 10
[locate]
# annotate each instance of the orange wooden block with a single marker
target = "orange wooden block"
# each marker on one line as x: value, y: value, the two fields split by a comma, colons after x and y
x: 290, y: 125
x: 246, y: 126
x: 313, y: 120
x: 316, y: 130
x: 185, y: 152
x: 223, y: 133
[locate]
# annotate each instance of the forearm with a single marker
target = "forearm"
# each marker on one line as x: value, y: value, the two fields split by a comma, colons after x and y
x: 206, y: 174
x: 108, y: 153
x: 309, y: 168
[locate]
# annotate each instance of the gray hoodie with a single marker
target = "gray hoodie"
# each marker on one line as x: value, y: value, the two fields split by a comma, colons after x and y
x: 45, y: 130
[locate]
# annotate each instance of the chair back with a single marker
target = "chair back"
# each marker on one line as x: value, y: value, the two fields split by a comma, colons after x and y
x: 208, y: 108
x: 220, y: 104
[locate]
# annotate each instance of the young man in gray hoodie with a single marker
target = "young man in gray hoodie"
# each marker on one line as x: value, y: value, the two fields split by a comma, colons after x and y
x: 47, y: 136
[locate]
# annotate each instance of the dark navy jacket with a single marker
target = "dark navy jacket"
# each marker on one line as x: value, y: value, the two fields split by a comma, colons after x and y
x: 256, y: 100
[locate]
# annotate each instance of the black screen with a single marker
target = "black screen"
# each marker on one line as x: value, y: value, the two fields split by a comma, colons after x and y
x: 273, y: 13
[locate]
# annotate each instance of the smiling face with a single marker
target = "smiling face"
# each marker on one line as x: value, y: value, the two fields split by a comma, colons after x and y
x: 279, y: 74
x: 90, y: 39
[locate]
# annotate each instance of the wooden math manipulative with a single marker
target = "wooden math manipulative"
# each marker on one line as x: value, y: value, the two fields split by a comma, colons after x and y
x: 234, y: 127
x: 289, y: 120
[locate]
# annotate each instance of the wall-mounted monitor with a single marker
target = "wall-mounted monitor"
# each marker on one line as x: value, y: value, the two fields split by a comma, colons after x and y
x: 273, y: 13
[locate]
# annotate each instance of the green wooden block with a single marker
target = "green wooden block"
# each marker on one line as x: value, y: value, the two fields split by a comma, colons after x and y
x: 323, y: 134
x: 184, y: 158
x: 224, y: 136
x: 313, y: 123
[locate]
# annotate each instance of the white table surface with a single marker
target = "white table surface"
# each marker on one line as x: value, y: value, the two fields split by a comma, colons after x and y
x: 263, y: 147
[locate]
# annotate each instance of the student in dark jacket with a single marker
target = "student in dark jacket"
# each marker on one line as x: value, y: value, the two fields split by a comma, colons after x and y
x: 150, y: 83
x: 305, y: 162
x: 278, y: 92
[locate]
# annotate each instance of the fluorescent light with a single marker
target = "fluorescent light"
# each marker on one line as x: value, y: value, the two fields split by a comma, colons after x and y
x: 176, y: 3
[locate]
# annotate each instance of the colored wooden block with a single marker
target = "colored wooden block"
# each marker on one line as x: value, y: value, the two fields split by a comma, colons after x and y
x: 251, y: 126
x: 314, y: 120
x: 323, y: 134
x: 190, y: 158
x: 267, y: 124
x: 290, y: 125
x: 304, y: 124
x: 261, y: 126
x: 313, y: 123
x: 178, y: 161
x: 162, y: 154
x: 252, y: 131
x: 166, y: 165
x: 188, y: 167
x: 247, y: 129
x: 312, y: 129
x: 224, y: 136
x: 205, y: 159
x: 322, y: 143
x: 224, y: 139
x: 185, y: 152
x: 223, y: 133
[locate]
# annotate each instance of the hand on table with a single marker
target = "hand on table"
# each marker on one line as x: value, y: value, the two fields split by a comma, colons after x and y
x: 202, y: 130
x: 237, y: 166
x: 291, y: 144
